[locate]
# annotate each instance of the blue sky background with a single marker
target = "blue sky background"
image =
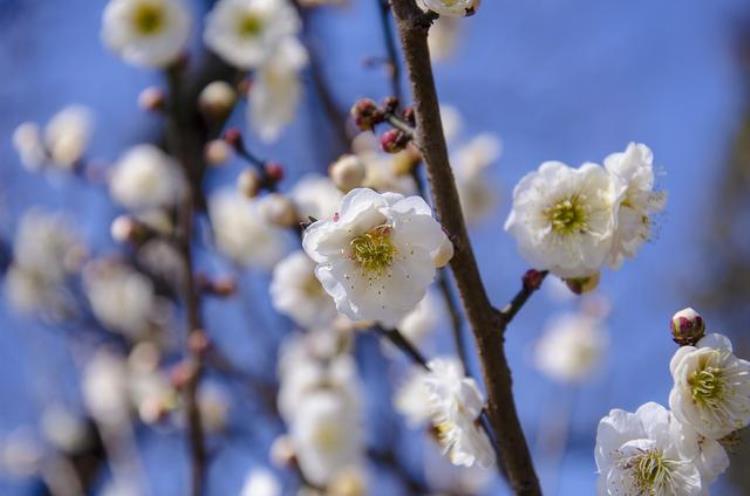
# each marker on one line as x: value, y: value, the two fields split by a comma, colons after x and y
x: 569, y: 80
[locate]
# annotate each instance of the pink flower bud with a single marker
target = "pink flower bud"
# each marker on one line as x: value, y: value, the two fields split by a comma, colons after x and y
x: 687, y: 327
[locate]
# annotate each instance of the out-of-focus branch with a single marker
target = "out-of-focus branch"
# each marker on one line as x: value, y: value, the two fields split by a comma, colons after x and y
x: 487, y: 323
x: 180, y: 135
x: 393, y: 66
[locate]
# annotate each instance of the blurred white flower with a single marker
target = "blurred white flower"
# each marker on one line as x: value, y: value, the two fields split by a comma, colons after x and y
x: 67, y: 135
x: 21, y: 454
x: 122, y: 299
x: 412, y: 399
x: 261, y: 482
x: 563, y: 219
x: 65, y: 430
x: 162, y: 259
x: 105, y: 389
x: 381, y: 174
x: 634, y: 170
x: 445, y: 478
x: 420, y: 323
x: 443, y: 38
x: 296, y: 292
x: 145, y: 177
x: 30, y: 291
x: 470, y: 162
x: 376, y: 256
x: 572, y: 346
x: 316, y: 196
x: 327, y: 436
x: 276, y: 90
x: 242, y: 233
x: 245, y: 33
x: 647, y: 452
x: 455, y: 407
x: 148, y: 33
x: 347, y: 172
x: 27, y: 140
x: 213, y: 402
x: 711, y: 391
x: 450, y: 7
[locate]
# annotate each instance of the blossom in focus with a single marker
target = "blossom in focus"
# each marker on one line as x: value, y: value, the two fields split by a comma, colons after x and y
x: 147, y: 33
x: 316, y: 196
x: 296, y: 292
x: 145, y: 177
x: 376, y: 256
x: 245, y: 33
x: 276, y: 90
x: 572, y: 346
x: 450, y: 7
x: 121, y: 298
x: 633, y: 168
x: 242, y: 233
x: 455, y: 406
x: 648, y: 452
x: 711, y: 391
x: 563, y: 219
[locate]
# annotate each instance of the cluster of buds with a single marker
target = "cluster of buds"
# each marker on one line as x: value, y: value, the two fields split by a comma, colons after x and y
x: 263, y: 174
x: 367, y: 114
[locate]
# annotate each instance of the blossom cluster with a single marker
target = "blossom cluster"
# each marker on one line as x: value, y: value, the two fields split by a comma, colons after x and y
x: 678, y: 452
x: 573, y: 221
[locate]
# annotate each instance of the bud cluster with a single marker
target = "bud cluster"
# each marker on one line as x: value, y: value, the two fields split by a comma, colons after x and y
x: 367, y: 114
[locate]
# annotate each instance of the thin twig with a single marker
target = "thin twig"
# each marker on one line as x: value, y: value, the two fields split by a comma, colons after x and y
x: 532, y: 280
x: 487, y: 323
x: 399, y: 340
x: 392, y: 63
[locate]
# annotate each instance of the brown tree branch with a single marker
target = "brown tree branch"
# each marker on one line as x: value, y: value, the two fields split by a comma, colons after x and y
x: 487, y: 323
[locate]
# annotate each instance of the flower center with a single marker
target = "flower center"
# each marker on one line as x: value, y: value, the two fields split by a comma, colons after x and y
x: 249, y: 25
x: 707, y: 386
x: 148, y: 19
x: 567, y: 216
x: 374, y: 250
x: 651, y: 471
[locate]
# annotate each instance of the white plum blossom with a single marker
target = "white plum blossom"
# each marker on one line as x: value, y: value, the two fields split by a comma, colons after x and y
x: 242, y: 232
x: 145, y: 177
x: 62, y: 143
x: 147, y: 33
x: 633, y: 168
x: 245, y: 33
x: 450, y: 7
x: 455, y: 407
x: 327, y: 436
x: 296, y: 292
x: 412, y: 399
x: 105, y: 389
x: 711, y: 391
x: 316, y: 196
x: 376, y: 256
x: 470, y: 162
x: 261, y: 482
x: 649, y: 452
x: 418, y: 324
x: 121, y: 298
x: 572, y: 346
x: 276, y: 90
x: 563, y: 219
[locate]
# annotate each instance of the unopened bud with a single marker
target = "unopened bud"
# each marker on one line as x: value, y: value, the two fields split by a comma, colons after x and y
x: 282, y: 452
x: 393, y: 141
x: 222, y: 287
x: 249, y: 183
x: 152, y: 99
x: 410, y: 116
x: 217, y: 152
x: 532, y: 279
x: 198, y: 342
x: 366, y: 114
x: 347, y: 173
x: 123, y: 228
x: 279, y: 210
x: 444, y: 254
x: 274, y: 171
x: 233, y: 136
x: 688, y: 327
x: 217, y: 99
x: 181, y: 374
x: 390, y: 104
x: 582, y: 285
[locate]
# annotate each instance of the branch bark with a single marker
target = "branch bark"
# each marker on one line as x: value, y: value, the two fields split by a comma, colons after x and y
x: 487, y: 322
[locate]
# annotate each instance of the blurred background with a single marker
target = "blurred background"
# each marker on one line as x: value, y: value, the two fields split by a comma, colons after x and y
x: 571, y: 81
